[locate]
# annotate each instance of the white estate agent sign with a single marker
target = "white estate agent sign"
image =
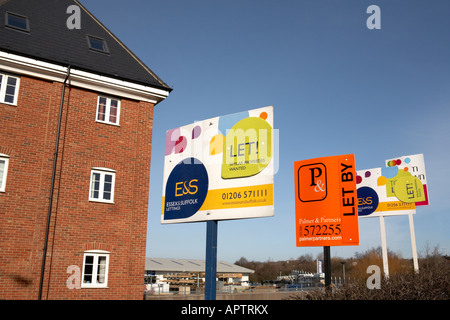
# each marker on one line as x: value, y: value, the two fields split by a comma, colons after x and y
x: 393, y: 190
x: 413, y: 179
x: 374, y: 197
x: 220, y: 168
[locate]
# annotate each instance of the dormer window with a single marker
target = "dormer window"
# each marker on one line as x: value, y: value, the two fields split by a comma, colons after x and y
x: 17, y: 22
x: 97, y: 44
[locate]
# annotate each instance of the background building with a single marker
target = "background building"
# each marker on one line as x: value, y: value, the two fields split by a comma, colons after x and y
x: 76, y: 115
x: 175, y: 274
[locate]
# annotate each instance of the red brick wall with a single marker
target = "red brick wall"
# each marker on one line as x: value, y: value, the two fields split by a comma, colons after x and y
x: 28, y: 134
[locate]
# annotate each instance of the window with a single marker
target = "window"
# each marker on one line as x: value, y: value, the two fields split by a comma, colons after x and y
x: 102, y: 185
x: 4, y: 161
x: 95, y: 269
x: 9, y: 87
x: 108, y: 110
x: 97, y: 44
x: 17, y: 22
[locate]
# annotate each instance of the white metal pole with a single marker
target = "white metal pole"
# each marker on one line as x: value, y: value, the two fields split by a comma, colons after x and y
x: 384, y: 247
x: 413, y: 243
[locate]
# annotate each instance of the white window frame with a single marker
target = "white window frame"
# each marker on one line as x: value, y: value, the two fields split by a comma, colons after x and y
x: 96, y: 255
x: 102, y: 173
x: 4, y: 85
x: 5, y: 158
x: 108, y: 110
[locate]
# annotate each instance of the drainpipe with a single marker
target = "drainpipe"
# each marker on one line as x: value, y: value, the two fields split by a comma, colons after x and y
x: 55, y: 160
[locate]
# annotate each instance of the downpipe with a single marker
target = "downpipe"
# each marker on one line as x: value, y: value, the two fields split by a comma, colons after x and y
x: 55, y: 160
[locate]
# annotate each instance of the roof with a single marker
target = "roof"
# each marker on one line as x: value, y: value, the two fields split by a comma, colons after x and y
x: 50, y: 39
x: 190, y: 265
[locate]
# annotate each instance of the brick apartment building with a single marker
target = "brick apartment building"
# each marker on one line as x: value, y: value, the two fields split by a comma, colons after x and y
x: 76, y: 114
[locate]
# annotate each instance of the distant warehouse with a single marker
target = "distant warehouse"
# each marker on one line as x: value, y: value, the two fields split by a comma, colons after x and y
x: 190, y: 273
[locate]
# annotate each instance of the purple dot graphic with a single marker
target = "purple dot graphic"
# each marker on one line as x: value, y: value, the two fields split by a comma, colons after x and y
x: 196, y: 132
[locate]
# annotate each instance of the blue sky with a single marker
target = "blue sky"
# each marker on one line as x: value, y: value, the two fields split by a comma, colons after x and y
x: 336, y: 87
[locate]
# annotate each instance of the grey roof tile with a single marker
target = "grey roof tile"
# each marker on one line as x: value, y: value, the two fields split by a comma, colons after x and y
x: 49, y: 39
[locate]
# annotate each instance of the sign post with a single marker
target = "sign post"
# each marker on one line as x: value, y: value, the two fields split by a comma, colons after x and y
x: 219, y: 169
x: 384, y: 247
x: 413, y: 243
x: 327, y: 266
x: 211, y: 260
x: 326, y: 206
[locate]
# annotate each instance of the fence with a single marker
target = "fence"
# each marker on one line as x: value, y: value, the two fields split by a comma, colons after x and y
x: 260, y: 292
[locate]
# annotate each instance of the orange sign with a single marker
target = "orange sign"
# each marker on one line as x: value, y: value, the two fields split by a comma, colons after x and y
x: 326, y: 203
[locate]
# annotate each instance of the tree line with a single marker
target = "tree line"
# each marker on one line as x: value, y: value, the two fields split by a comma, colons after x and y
x: 354, y: 267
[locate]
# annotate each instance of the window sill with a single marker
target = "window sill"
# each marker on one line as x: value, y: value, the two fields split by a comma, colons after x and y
x: 9, y: 104
x: 101, y: 201
x: 109, y: 123
x: 83, y: 286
